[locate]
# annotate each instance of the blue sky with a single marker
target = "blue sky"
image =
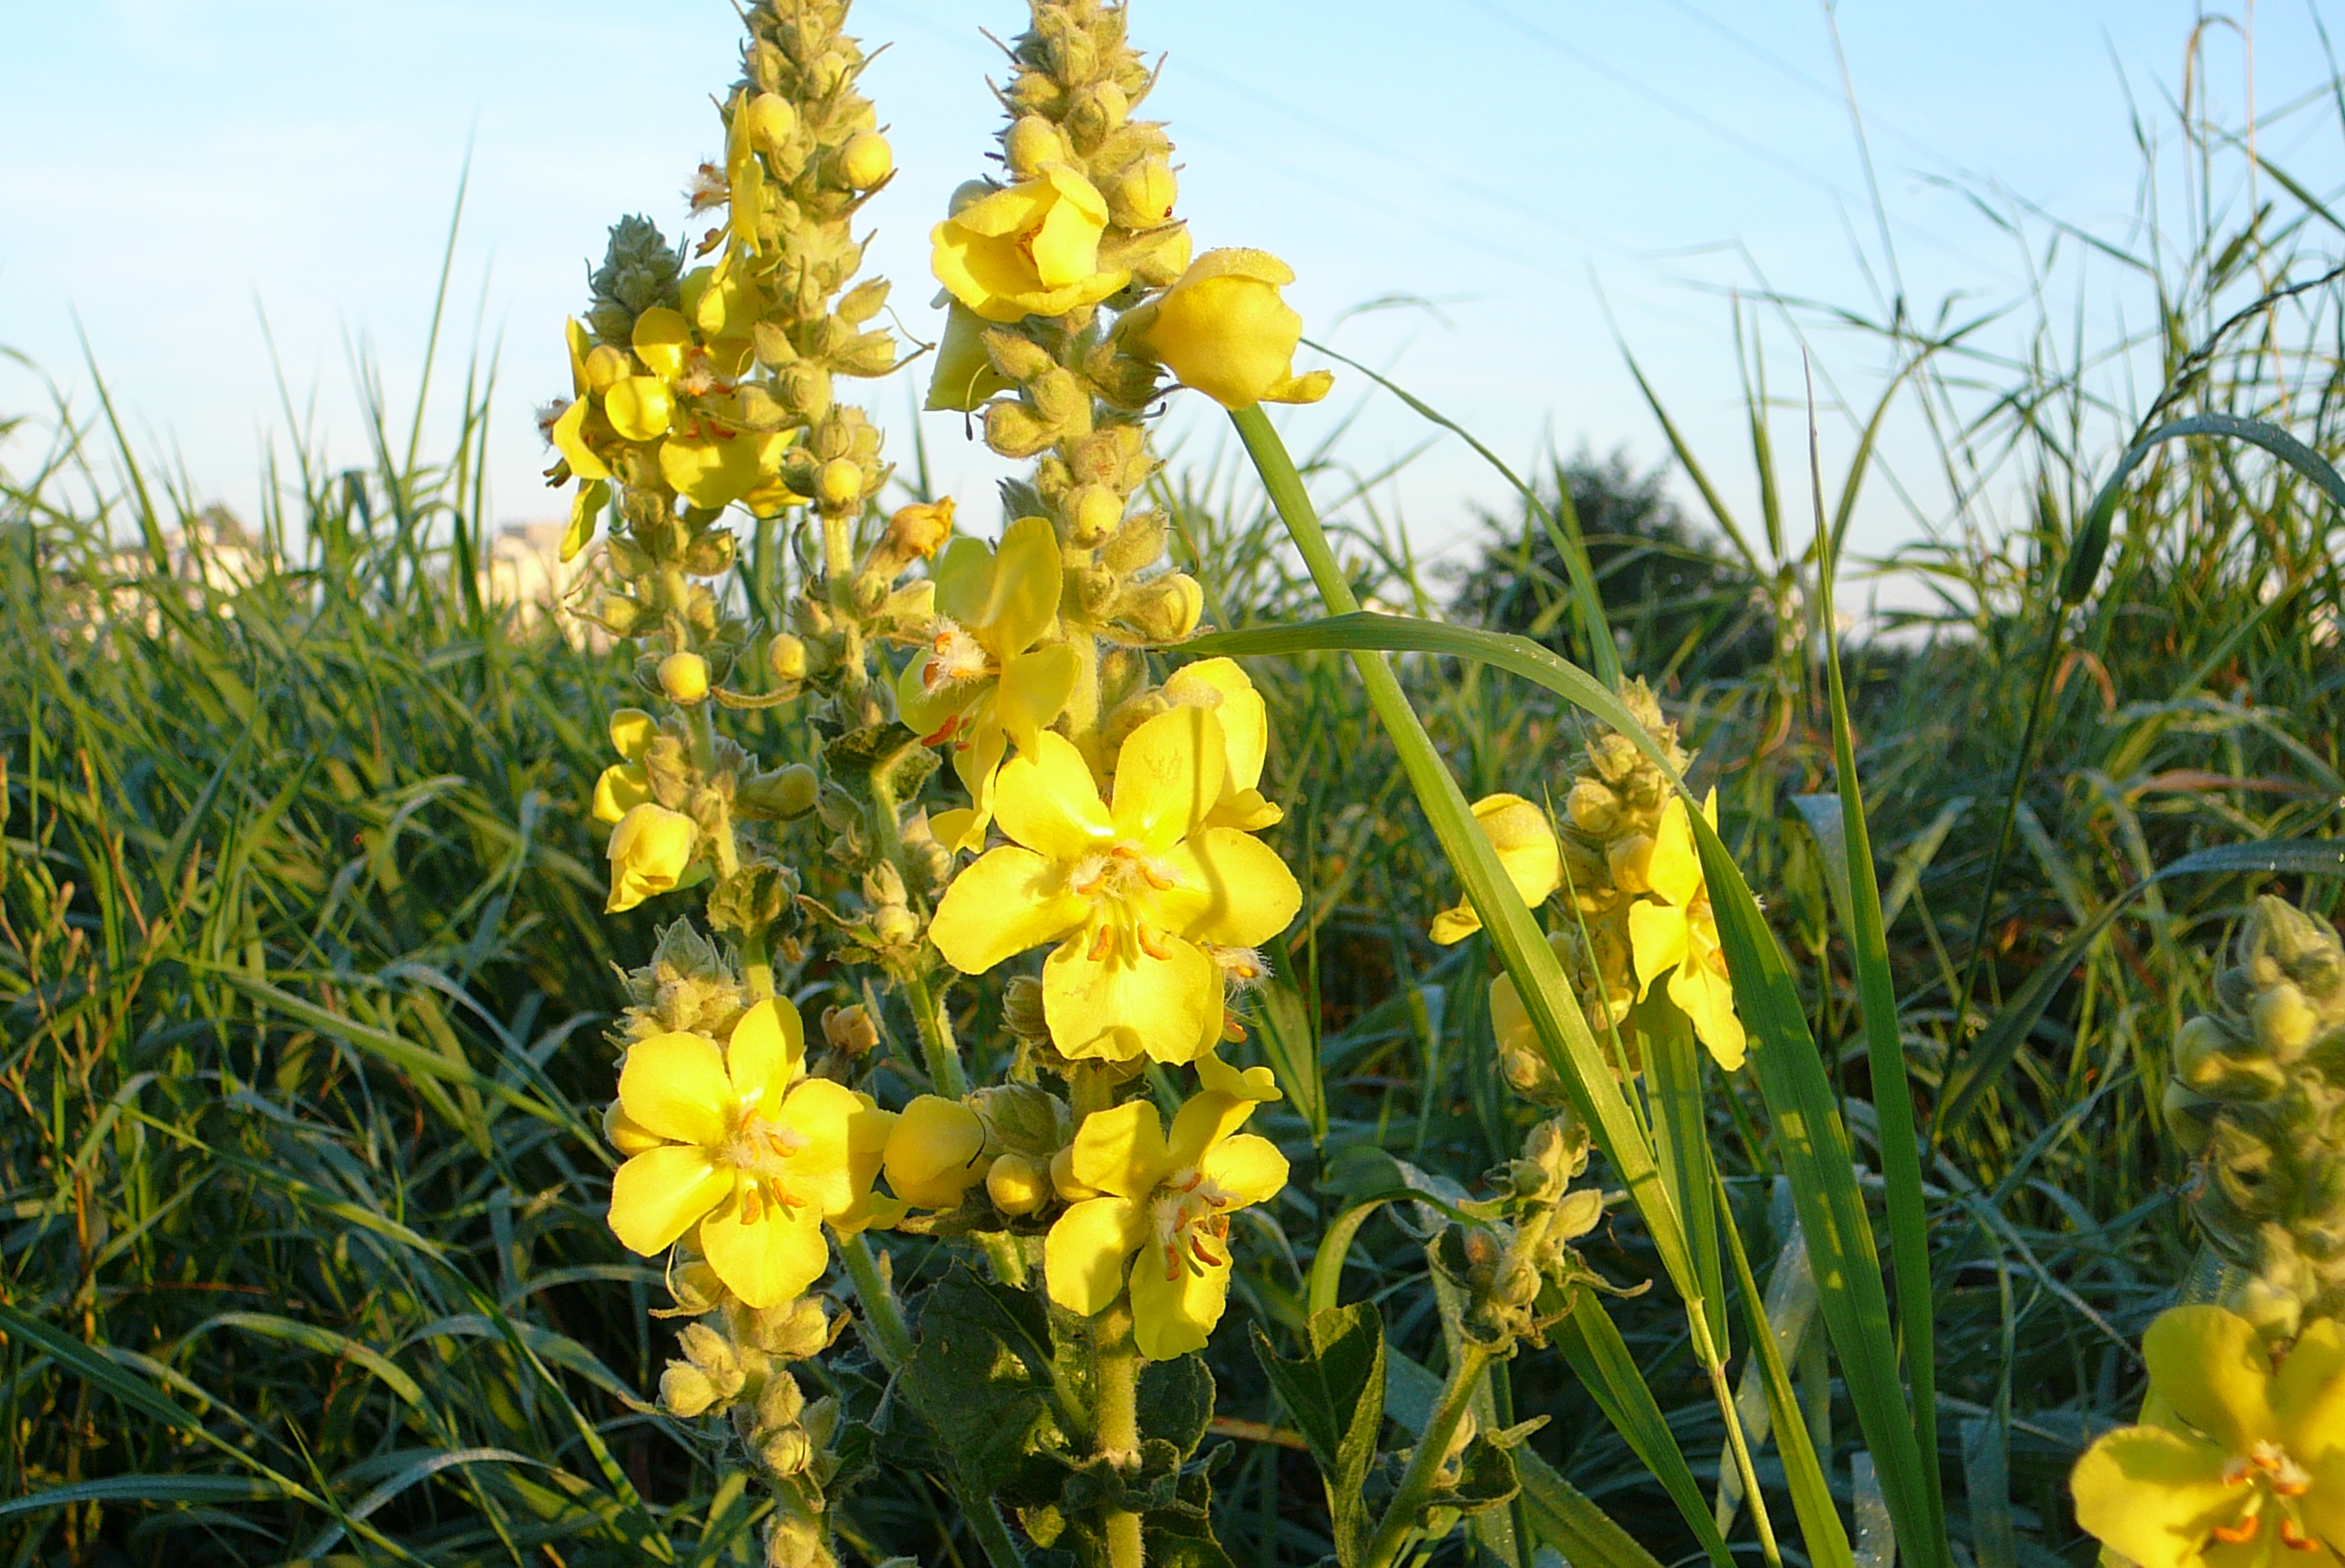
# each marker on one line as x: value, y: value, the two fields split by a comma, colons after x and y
x: 1510, y: 166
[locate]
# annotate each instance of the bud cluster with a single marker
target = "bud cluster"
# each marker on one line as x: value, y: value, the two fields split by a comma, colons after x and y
x: 1515, y: 1268
x: 2257, y: 1100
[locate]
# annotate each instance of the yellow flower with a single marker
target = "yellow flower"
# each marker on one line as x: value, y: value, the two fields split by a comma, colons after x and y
x: 1675, y: 932
x: 2234, y: 1458
x: 1526, y: 844
x: 1031, y: 249
x: 650, y: 850
x: 1222, y: 330
x: 1170, y: 1204
x: 1133, y: 889
x: 739, y: 1144
x: 1220, y: 686
x: 933, y: 1152
x: 983, y: 685
x: 965, y: 376
x: 626, y: 784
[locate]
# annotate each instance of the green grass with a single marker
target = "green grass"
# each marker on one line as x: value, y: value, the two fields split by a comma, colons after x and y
x: 304, y: 977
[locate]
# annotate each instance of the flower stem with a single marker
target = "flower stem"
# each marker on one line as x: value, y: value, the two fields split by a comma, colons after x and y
x: 1425, y: 1465
x: 891, y: 1342
x: 1116, y: 1423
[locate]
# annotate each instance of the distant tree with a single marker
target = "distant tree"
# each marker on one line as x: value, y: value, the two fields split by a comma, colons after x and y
x: 1677, y: 603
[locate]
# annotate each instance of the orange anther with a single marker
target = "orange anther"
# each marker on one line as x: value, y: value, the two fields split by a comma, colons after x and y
x: 2240, y: 1534
x: 1102, y: 944
x: 1153, y: 946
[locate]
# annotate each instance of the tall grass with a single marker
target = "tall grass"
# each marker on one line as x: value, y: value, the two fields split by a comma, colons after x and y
x: 302, y: 977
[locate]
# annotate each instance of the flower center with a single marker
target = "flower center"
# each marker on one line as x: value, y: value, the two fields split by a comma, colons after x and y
x: 759, y: 1150
x: 1192, y: 1229
x: 1119, y: 880
x: 958, y: 657
x: 2276, y: 1481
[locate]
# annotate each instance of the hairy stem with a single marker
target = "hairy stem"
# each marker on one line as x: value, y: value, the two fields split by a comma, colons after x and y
x: 1425, y: 1465
x: 1116, y: 1423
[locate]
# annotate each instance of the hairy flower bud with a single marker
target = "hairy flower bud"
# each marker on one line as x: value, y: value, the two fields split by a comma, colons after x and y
x: 683, y: 677
x: 865, y: 161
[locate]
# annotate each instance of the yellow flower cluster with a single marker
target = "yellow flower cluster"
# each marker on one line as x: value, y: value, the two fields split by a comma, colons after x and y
x: 1637, y: 910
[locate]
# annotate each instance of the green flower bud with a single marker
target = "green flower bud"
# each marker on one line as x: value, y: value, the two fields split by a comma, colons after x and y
x: 786, y: 657
x: 685, y: 1390
x: 1031, y: 142
x: 1018, y: 1185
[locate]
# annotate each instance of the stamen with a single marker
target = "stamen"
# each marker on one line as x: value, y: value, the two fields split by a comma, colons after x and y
x: 2239, y: 1534
x: 2293, y: 1537
x: 1102, y: 944
x: 1153, y: 946
x: 750, y: 1211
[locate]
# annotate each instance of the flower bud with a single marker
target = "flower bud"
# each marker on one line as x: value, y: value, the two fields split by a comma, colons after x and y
x: 785, y: 792
x: 1138, y: 544
x: 684, y: 678
x: 865, y: 161
x: 793, y: 1540
x: 779, y: 1402
x: 1018, y: 1185
x: 786, y: 657
x: 1093, y: 513
x: 895, y: 925
x: 787, y: 1452
x: 934, y: 1151
x: 1029, y: 143
x: 1141, y: 196
x: 1166, y: 609
x: 1222, y: 330
x: 838, y: 483
x: 2284, y: 1020
x: 792, y: 1331
x: 1024, y: 1118
x: 685, y: 1390
x: 920, y: 530
x: 849, y: 1030
x: 772, y: 121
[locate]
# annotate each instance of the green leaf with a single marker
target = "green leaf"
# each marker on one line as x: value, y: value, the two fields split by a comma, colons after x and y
x: 148, y: 1489
x: 93, y: 1366
x: 981, y: 1370
x: 1176, y: 1400
x: 1334, y: 1390
x: 1592, y: 1343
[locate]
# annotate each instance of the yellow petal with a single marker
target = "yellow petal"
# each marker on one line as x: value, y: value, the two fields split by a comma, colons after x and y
x: 1674, y: 872
x: 2210, y: 1367
x: 1066, y: 247
x: 1168, y: 775
x: 621, y: 789
x: 626, y: 1134
x: 1248, y: 1167
x: 768, y: 1049
x: 1022, y: 600
x: 1659, y: 940
x: 662, y: 1192
x: 1228, y: 335
x: 1220, y: 684
x: 1046, y: 800
x: 1125, y: 1005
x: 632, y: 731
x: 2152, y: 1496
x: 585, y: 516
x: 1706, y: 997
x: 1255, y: 897
x: 569, y: 440
x: 717, y: 467
x: 674, y: 1083
x: 825, y: 1115
x: 933, y: 1152
x: 1083, y: 1258
x: 1121, y: 1150
x: 963, y: 377
x: 2309, y: 1394
x: 963, y: 578
x: 1005, y: 901
x: 1175, y: 1303
x: 1033, y: 691
x: 1203, y: 1121
x: 767, y: 1263
x: 1456, y: 925
x: 662, y: 340
x: 1308, y: 387
x: 1257, y: 1083
x: 641, y: 408
x: 573, y: 333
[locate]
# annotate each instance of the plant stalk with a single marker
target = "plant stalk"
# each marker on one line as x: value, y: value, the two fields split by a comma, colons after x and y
x: 1425, y: 1465
x: 1116, y: 1423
